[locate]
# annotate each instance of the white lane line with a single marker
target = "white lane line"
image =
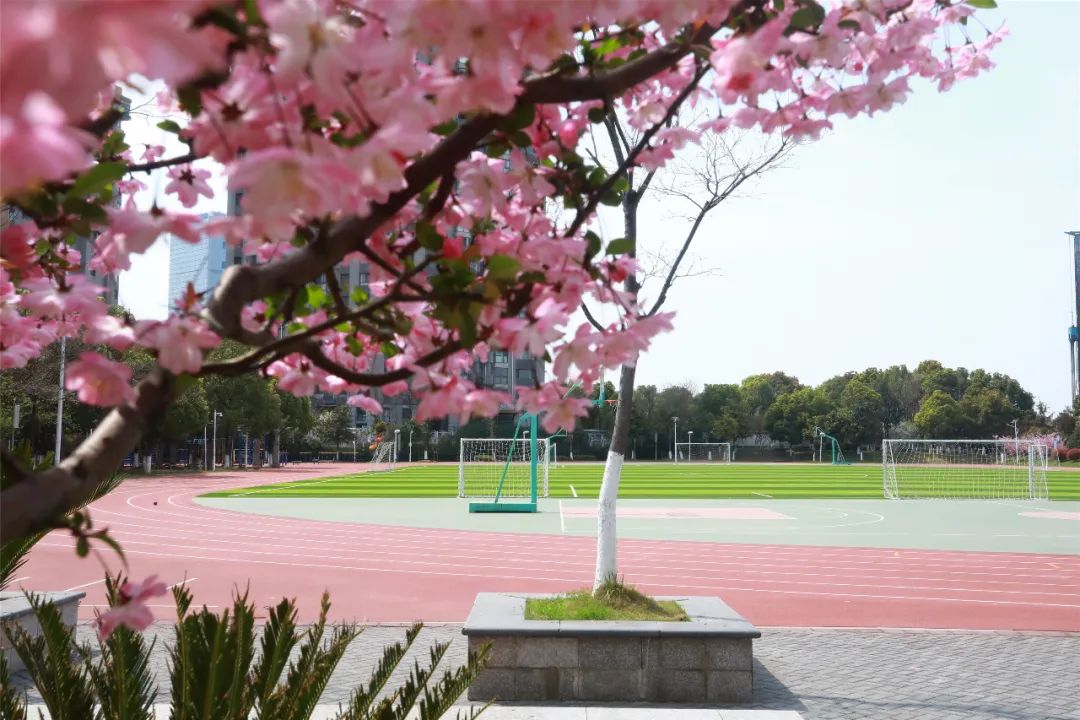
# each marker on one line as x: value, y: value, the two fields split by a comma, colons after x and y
x: 573, y: 490
x: 185, y: 581
x: 562, y: 520
x: 20, y: 579
x: 153, y: 605
x: 501, y: 574
x: 761, y: 494
x: 96, y: 582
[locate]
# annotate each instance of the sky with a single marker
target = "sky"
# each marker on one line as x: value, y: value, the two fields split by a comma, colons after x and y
x: 933, y: 231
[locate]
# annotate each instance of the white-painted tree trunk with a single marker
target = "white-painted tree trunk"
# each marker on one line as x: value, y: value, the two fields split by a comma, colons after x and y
x: 606, y: 535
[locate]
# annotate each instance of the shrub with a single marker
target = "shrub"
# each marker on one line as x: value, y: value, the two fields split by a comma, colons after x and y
x: 216, y: 673
x: 1073, y: 454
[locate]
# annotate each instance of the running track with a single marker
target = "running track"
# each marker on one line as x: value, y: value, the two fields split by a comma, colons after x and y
x: 384, y: 574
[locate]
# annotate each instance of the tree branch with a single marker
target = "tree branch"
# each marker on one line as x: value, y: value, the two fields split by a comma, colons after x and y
x: 167, y: 162
x: 591, y: 318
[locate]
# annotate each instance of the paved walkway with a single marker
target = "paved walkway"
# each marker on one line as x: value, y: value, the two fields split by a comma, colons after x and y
x: 831, y: 674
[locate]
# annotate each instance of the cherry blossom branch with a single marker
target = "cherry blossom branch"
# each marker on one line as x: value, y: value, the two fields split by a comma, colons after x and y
x: 166, y: 162
x: 35, y: 503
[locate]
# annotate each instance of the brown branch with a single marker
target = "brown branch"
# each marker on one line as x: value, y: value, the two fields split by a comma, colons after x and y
x: 591, y: 318
x: 167, y: 162
x: 40, y: 499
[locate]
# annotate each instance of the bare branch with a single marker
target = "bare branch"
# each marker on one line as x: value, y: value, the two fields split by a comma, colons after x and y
x: 167, y: 162
x: 591, y: 318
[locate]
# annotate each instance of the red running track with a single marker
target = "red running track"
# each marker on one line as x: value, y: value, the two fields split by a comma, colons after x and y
x: 382, y: 573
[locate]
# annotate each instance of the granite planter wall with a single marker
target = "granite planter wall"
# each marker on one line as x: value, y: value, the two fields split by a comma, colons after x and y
x: 16, y: 611
x: 708, y: 660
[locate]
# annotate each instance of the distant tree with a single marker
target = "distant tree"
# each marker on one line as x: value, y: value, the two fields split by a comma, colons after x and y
x: 865, y: 407
x: 988, y: 413
x: 793, y: 415
x: 333, y: 426
x: 834, y: 386
x: 1064, y: 423
x: 758, y: 393
x: 940, y: 416
x: 935, y: 377
x: 727, y: 427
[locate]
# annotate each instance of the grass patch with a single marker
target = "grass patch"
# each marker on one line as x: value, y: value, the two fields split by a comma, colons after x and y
x: 613, y: 601
x: 639, y: 480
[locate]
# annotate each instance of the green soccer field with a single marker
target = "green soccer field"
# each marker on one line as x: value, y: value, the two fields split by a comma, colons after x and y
x: 656, y: 480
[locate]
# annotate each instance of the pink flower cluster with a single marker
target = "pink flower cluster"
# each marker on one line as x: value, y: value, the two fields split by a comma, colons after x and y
x: 336, y: 105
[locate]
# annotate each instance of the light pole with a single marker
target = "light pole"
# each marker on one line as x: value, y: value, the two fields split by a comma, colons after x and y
x: 675, y: 439
x: 60, y: 403
x: 206, y: 465
x: 213, y: 452
x: 410, y: 444
x: 1016, y: 437
x: 397, y: 436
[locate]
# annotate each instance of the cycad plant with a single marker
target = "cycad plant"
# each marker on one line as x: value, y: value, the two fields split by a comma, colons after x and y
x: 220, y: 668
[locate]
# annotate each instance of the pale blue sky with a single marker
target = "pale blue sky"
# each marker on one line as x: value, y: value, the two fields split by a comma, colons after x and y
x: 933, y: 231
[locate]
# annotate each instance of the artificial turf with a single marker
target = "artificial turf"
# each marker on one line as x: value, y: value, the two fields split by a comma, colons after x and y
x: 639, y: 480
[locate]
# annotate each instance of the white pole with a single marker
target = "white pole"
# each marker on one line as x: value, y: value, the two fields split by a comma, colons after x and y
x: 206, y: 465
x: 60, y: 404
x: 213, y: 453
x: 410, y: 445
x: 675, y: 442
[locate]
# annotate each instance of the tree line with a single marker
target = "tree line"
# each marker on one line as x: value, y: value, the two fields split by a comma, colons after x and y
x: 859, y: 408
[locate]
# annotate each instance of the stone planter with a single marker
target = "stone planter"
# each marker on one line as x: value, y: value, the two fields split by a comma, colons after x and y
x: 15, y: 610
x: 707, y: 660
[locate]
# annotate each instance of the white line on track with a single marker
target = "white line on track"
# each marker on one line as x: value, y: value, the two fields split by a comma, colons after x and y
x: 761, y: 494
x: 96, y: 582
x: 20, y: 579
x: 573, y: 490
x: 682, y: 587
x: 562, y: 520
x: 185, y: 581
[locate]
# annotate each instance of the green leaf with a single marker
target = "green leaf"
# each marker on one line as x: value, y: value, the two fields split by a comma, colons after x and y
x: 170, y: 126
x: 808, y: 16
x: 620, y: 246
x: 502, y: 267
x: 82, y: 208
x: 520, y: 139
x: 597, y: 115
x: 190, y: 98
x: 82, y: 546
x: 594, y: 244
x: 97, y: 178
x: 983, y: 4
x: 849, y: 24
x: 519, y: 119
x: 428, y: 237
x: 316, y: 296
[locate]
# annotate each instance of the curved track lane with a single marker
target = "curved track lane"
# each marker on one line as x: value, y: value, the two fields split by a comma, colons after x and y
x: 381, y: 573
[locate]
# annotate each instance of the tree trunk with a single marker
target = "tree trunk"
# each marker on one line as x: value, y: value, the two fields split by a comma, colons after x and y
x: 275, y: 456
x: 257, y: 451
x: 606, y: 536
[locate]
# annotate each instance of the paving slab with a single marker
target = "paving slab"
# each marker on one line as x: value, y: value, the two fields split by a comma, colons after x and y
x: 819, y: 674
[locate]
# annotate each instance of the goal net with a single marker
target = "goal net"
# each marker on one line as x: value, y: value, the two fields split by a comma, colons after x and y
x: 483, y: 461
x: 383, y: 457
x: 703, y: 452
x: 964, y: 469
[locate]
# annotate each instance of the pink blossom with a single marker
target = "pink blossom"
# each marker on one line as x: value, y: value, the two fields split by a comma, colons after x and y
x: 180, y: 342
x: 79, y: 295
x: 366, y: 403
x: 37, y: 144
x: 188, y: 183
x: 131, y: 231
x: 109, y: 330
x: 99, y: 381
x: 295, y: 375
x: 132, y: 611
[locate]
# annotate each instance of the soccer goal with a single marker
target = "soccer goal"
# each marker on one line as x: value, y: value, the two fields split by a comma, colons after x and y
x: 703, y: 452
x: 384, y: 456
x: 487, y: 462
x: 964, y: 469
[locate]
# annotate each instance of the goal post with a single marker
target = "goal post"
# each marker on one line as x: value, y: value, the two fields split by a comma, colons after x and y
x: 964, y: 469
x: 703, y: 452
x: 484, y: 463
x: 383, y: 457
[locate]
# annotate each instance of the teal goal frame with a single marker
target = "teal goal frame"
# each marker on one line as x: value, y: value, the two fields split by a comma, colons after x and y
x: 516, y: 506
x: 837, y: 454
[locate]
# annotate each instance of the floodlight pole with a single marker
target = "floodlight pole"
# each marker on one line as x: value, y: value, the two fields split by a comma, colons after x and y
x: 1016, y: 435
x: 410, y: 444
x: 675, y: 441
x: 60, y: 403
x: 213, y: 453
x: 397, y: 436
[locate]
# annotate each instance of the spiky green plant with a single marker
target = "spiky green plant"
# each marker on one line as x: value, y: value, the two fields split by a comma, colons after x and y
x: 219, y: 670
x: 12, y: 702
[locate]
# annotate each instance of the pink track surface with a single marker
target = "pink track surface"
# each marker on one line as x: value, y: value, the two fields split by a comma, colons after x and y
x: 382, y: 573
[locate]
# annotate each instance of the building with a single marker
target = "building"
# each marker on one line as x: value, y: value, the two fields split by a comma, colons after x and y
x: 199, y: 264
